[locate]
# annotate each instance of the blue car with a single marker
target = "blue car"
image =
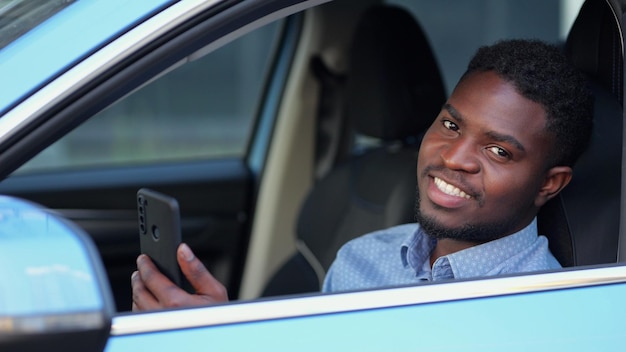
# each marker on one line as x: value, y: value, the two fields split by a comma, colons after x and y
x: 266, y: 121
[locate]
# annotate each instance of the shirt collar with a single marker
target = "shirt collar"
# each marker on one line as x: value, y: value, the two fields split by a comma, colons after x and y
x: 416, y: 248
x: 471, y: 262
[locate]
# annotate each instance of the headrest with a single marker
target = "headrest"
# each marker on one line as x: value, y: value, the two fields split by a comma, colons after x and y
x: 394, y: 89
x: 595, y: 46
x: 583, y: 222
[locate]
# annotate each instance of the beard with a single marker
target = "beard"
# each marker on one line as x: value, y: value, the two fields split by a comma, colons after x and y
x: 470, y: 232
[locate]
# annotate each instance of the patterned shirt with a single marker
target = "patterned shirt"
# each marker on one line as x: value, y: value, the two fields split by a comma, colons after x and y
x: 401, y: 256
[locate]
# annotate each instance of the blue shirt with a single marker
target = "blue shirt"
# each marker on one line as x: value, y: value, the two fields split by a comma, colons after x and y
x: 401, y: 256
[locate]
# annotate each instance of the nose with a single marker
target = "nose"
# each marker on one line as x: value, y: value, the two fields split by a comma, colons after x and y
x: 460, y: 155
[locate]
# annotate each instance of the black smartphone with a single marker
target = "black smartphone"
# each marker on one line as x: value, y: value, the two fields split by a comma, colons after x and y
x: 160, y: 231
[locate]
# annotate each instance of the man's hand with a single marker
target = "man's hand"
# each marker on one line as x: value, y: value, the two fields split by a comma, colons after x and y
x: 152, y: 290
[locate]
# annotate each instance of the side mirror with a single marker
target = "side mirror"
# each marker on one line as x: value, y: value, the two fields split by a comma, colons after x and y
x: 54, y: 294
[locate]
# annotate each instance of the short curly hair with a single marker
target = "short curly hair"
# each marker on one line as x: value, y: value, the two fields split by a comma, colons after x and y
x: 540, y: 72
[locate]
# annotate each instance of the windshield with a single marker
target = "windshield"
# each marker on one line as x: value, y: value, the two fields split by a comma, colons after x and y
x: 19, y: 16
x: 39, y: 40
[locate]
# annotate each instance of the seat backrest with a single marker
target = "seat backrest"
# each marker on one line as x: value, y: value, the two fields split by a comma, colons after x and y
x: 582, y: 224
x: 393, y: 92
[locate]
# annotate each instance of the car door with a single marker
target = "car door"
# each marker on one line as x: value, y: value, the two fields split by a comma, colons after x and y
x: 199, y: 132
x: 556, y: 311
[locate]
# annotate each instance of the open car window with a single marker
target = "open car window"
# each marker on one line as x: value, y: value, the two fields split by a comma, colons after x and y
x: 207, y: 108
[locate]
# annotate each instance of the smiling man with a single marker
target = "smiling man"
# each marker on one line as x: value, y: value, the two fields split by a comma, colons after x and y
x: 502, y: 146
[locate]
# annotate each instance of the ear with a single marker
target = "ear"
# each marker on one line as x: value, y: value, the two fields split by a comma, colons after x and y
x: 556, y: 179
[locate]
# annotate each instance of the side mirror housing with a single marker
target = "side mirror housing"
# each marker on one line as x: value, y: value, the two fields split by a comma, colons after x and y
x: 54, y: 293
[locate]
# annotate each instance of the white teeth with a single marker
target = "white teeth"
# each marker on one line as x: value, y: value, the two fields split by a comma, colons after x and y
x: 450, y: 189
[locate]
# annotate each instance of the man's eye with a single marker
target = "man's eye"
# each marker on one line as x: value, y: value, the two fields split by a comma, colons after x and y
x: 450, y: 125
x: 499, y: 152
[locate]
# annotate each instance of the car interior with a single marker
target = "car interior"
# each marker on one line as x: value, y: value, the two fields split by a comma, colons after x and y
x: 393, y: 95
x: 347, y: 92
x: 582, y: 223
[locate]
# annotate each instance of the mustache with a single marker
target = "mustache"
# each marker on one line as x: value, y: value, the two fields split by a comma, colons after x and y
x: 455, y: 177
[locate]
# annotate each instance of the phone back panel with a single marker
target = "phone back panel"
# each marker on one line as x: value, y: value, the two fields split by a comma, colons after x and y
x: 160, y: 231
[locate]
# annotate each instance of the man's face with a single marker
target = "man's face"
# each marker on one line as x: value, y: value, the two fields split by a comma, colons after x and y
x: 482, y: 162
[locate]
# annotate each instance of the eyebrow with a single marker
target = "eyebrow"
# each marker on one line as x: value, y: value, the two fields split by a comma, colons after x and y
x: 498, y: 137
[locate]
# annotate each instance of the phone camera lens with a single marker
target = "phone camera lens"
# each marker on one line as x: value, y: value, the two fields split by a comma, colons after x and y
x: 155, y: 233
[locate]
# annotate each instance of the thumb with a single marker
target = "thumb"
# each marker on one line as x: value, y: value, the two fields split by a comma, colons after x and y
x: 199, y: 277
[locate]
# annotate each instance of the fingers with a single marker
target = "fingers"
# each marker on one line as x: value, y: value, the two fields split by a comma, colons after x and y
x: 152, y: 289
x: 142, y: 298
x: 199, y: 277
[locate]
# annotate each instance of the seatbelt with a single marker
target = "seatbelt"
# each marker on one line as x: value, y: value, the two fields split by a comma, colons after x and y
x: 331, y: 139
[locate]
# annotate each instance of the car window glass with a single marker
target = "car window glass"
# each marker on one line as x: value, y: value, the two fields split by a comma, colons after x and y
x: 203, y: 109
x: 456, y: 29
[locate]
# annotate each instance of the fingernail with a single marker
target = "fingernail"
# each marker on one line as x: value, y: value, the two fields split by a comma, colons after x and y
x: 186, y: 252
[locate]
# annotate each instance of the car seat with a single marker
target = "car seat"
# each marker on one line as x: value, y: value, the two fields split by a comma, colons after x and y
x: 393, y: 91
x: 582, y: 224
